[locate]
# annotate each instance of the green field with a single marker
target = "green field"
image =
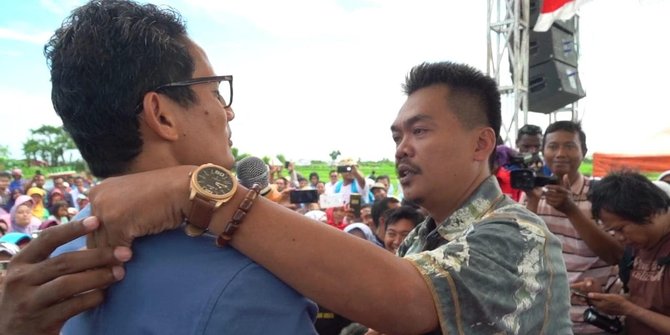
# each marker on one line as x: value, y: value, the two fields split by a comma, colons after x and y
x: 388, y: 168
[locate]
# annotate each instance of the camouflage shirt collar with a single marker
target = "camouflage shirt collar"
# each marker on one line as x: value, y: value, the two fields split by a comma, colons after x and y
x: 473, y: 209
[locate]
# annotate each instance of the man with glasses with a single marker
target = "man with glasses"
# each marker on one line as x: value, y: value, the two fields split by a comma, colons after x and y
x: 137, y: 95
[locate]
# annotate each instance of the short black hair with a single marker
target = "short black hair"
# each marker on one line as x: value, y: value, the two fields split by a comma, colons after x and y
x: 104, y: 58
x: 567, y: 126
x: 403, y: 212
x: 528, y: 129
x: 314, y: 174
x: 629, y: 195
x: 473, y: 96
x: 379, y: 207
x: 5, y: 174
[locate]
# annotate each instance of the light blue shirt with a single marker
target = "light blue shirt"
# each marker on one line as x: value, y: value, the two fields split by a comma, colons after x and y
x: 175, y: 284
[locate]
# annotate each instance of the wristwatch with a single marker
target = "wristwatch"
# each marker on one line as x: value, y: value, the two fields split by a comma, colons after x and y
x: 211, y: 186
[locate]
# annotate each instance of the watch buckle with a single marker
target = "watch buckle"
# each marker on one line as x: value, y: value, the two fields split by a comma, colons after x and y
x: 193, y: 230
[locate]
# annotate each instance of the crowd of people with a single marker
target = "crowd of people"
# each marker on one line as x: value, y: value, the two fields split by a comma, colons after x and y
x: 479, y: 238
x: 28, y: 206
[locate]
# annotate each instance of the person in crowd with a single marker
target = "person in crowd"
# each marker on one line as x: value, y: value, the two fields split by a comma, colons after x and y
x: 399, y: 223
x: 320, y: 188
x: 39, y: 180
x: 21, y: 217
x: 174, y: 111
x: 333, y: 178
x: 379, y: 208
x: 60, y: 212
x: 503, y: 173
x: 38, y: 294
x: 366, y: 215
x: 314, y: 212
x: 337, y: 217
x: 390, y: 189
x: 64, y: 187
x: 378, y: 190
x: 17, y: 181
x: 511, y: 280
x: 588, y: 250
x: 636, y: 212
x: 353, y: 181
x: 303, y: 183
x: 360, y: 230
x: 78, y: 189
x: 313, y: 180
x: 40, y: 210
x: 5, y: 193
x: 529, y: 139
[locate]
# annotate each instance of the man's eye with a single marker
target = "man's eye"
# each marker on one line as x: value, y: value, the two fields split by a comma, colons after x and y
x: 419, y: 131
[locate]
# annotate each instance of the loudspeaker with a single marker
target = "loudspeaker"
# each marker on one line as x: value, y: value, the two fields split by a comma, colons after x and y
x: 555, y: 43
x: 552, y: 85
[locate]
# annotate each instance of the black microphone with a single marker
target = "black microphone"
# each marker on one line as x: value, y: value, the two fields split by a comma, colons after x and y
x: 252, y: 170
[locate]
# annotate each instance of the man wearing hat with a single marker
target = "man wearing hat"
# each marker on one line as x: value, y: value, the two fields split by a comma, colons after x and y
x: 379, y: 191
x: 352, y: 181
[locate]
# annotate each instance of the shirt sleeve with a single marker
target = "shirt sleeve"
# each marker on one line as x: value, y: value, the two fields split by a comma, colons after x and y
x: 491, y: 279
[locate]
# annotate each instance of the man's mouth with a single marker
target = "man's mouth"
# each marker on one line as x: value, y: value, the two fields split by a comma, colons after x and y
x: 406, y: 172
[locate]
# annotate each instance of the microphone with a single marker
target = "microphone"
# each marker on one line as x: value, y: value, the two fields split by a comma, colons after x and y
x: 252, y: 170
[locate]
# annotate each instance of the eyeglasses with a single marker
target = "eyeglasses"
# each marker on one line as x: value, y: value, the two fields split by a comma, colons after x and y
x: 224, y: 93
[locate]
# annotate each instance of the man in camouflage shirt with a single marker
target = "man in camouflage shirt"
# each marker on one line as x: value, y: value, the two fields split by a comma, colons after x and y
x: 491, y: 265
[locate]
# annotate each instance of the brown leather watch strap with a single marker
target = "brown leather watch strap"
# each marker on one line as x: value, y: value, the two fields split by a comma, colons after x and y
x: 201, y: 212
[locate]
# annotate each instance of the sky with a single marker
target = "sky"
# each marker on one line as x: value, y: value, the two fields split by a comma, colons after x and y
x: 313, y: 76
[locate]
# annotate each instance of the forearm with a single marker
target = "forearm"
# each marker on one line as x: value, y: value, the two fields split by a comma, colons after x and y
x: 346, y: 274
x: 658, y: 321
x: 599, y: 241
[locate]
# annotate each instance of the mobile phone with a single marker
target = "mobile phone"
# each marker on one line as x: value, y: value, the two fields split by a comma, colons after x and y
x: 355, y: 203
x: 303, y: 196
x: 343, y: 168
x: 286, y: 164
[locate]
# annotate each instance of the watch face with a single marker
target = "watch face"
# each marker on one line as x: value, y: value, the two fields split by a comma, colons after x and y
x: 215, y: 181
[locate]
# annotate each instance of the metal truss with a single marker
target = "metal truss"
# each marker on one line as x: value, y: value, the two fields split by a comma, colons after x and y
x: 507, y: 49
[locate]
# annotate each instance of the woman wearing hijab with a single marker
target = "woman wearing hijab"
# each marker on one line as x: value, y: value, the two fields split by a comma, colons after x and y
x: 21, y: 217
x: 360, y: 230
x: 39, y: 210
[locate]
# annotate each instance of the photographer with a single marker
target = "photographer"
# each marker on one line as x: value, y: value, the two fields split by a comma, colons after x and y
x: 588, y: 250
x: 352, y: 181
x: 636, y: 211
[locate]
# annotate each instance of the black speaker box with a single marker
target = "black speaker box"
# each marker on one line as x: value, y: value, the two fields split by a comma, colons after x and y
x: 553, y: 85
x: 555, y: 43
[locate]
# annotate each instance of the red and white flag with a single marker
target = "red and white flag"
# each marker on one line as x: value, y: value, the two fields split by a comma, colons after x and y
x: 553, y: 10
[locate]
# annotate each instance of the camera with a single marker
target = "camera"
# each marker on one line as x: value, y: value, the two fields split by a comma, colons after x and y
x: 343, y: 168
x: 527, y: 179
x: 609, y: 324
x: 528, y: 176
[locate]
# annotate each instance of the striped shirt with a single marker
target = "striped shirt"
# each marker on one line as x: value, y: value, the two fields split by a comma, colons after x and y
x: 580, y: 261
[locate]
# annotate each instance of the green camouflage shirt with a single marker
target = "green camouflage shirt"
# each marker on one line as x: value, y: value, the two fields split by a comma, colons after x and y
x: 493, y: 268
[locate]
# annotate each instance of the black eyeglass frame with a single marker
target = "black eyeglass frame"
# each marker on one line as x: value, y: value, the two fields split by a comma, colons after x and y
x: 194, y: 81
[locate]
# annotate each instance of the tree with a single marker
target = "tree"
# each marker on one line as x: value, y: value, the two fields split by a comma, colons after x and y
x: 237, y: 155
x: 50, y: 143
x: 334, y: 154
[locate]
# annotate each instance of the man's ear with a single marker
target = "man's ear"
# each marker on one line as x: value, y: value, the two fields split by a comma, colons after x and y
x: 159, y: 115
x: 486, y: 143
